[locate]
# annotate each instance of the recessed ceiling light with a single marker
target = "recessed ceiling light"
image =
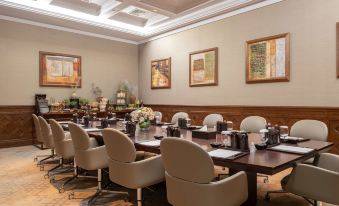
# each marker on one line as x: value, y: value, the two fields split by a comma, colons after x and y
x: 154, y: 10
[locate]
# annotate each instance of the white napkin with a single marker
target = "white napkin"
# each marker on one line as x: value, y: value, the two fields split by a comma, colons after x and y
x: 152, y: 143
x: 292, y: 149
x: 204, y: 128
x: 93, y: 130
x: 64, y: 122
x: 222, y: 153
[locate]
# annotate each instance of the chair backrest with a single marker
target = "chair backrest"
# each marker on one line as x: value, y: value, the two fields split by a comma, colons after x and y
x: 158, y: 114
x: 178, y: 115
x: 253, y: 124
x: 212, y: 119
x: 37, y: 128
x: 57, y: 131
x: 313, y: 129
x: 79, y: 136
x: 186, y: 160
x: 46, y: 133
x: 63, y: 146
x: 118, y: 146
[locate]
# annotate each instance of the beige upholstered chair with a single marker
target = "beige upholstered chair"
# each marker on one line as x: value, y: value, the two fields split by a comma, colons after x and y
x: 63, y: 148
x: 123, y: 167
x: 39, y: 137
x: 253, y: 124
x: 38, y: 131
x: 158, y: 114
x: 318, y: 183
x: 89, y: 156
x: 212, y: 119
x: 46, y: 134
x: 313, y: 129
x: 178, y: 115
x: 190, y: 173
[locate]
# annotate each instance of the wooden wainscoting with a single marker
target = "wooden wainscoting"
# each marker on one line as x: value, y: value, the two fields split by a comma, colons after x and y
x: 275, y: 115
x: 16, y: 126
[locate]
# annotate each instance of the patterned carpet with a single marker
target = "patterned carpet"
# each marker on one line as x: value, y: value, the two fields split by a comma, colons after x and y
x: 23, y: 184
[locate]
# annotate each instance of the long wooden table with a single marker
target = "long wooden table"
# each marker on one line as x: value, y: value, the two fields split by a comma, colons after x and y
x: 260, y: 161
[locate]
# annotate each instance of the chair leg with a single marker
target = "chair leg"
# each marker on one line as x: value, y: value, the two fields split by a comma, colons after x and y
x: 139, y: 196
x: 98, y: 190
x: 265, y: 177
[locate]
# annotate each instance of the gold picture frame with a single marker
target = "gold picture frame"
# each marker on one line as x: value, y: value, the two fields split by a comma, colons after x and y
x: 161, y: 73
x: 59, y: 70
x: 268, y: 59
x: 203, y: 68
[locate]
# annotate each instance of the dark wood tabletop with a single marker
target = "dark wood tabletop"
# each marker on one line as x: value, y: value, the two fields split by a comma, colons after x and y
x: 258, y: 161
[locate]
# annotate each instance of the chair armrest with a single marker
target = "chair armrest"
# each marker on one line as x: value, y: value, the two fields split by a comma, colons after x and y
x: 94, y: 158
x: 314, y: 183
x: 67, y: 150
x: 232, y: 189
x: 328, y: 161
x: 138, y: 174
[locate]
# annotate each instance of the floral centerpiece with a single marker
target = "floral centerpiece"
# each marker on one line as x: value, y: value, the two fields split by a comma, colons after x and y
x: 143, y: 116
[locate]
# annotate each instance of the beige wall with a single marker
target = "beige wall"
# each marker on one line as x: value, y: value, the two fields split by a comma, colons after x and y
x: 104, y: 62
x: 313, y: 70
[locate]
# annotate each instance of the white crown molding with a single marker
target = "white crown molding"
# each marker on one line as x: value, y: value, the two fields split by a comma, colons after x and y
x: 213, y: 19
x: 97, y: 23
x: 152, y: 32
x: 60, y: 28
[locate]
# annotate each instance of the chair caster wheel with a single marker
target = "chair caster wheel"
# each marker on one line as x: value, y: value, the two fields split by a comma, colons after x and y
x: 267, y: 197
x: 61, y: 190
x: 71, y: 196
x: 41, y: 168
x: 46, y: 176
x: 52, y: 180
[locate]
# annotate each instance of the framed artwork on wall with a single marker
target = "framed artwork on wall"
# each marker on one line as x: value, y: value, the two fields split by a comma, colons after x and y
x: 59, y: 70
x: 161, y: 73
x: 337, y: 53
x: 268, y: 59
x: 203, y: 67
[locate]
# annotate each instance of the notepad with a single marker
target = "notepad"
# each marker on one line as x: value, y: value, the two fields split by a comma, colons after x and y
x: 291, y: 149
x: 223, y: 153
x: 93, y: 130
x: 152, y: 143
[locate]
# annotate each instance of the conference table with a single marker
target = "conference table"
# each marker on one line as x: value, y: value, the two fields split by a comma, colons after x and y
x: 258, y: 161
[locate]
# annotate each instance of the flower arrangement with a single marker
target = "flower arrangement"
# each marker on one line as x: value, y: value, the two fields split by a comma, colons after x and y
x: 143, y: 116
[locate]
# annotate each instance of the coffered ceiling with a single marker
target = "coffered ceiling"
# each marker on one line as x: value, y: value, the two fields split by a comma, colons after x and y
x: 132, y: 21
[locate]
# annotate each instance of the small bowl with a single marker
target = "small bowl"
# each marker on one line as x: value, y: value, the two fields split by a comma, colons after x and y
x: 216, y: 145
x: 261, y: 146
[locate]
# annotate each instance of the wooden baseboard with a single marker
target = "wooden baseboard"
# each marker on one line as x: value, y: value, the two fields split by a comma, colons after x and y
x: 273, y: 114
x: 16, y: 126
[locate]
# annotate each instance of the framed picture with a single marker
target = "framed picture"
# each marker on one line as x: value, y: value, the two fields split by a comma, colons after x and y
x: 161, y: 74
x: 59, y: 70
x: 268, y: 59
x: 337, y: 53
x: 203, y: 69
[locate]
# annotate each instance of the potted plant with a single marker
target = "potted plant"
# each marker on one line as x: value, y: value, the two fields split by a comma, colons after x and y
x: 143, y: 116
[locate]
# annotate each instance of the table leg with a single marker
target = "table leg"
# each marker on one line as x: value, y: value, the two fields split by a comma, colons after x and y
x: 252, y: 187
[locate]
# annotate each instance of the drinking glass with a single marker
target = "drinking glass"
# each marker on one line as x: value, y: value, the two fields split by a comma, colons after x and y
x: 226, y: 137
x: 164, y: 131
x: 188, y: 122
x: 229, y: 125
x: 284, y: 131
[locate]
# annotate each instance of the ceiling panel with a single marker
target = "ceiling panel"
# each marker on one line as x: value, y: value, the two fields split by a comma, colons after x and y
x: 78, y: 5
x: 174, y: 6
